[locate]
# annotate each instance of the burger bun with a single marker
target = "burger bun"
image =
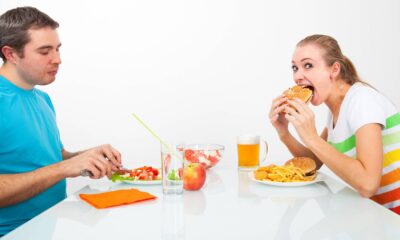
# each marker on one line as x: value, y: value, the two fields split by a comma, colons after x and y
x: 307, y: 165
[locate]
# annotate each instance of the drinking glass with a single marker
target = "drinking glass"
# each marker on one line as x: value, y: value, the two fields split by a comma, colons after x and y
x: 248, y: 147
x: 172, y: 168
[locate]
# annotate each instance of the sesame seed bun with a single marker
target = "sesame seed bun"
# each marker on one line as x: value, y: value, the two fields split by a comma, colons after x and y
x: 306, y: 164
x: 301, y: 92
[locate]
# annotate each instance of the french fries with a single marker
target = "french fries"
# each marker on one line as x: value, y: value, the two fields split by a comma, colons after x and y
x: 288, y: 173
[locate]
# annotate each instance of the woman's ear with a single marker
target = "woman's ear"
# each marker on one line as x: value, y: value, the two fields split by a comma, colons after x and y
x: 335, y: 70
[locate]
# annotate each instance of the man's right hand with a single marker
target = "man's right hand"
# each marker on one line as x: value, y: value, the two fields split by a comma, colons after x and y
x: 99, y: 161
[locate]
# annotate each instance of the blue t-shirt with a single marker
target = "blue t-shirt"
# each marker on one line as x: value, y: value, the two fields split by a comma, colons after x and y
x: 29, y: 139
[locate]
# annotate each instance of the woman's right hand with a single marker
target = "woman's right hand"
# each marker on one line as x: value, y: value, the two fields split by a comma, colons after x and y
x: 277, y: 116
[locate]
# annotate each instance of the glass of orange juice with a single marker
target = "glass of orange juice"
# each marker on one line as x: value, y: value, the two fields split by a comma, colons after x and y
x: 248, y: 147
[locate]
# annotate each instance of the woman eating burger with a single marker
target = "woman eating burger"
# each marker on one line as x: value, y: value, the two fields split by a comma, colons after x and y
x: 361, y: 140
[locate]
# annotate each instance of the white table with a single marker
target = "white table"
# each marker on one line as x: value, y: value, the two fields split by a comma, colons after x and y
x: 230, y: 206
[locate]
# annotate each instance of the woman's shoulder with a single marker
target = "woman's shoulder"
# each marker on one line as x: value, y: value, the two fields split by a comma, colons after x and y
x: 366, y: 105
x: 363, y: 94
x: 362, y: 90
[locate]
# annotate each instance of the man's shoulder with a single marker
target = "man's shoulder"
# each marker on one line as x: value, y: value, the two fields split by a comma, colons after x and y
x: 42, y: 94
x: 5, y: 95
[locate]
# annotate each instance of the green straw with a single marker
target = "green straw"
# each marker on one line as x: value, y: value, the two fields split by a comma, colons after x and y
x: 155, y: 135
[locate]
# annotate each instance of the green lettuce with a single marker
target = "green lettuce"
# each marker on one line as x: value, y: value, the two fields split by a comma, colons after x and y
x: 116, y: 177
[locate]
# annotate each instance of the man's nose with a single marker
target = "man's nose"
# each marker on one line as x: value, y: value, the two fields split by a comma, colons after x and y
x: 57, y: 58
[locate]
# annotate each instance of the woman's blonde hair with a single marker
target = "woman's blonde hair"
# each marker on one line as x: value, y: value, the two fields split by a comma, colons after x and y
x: 333, y: 54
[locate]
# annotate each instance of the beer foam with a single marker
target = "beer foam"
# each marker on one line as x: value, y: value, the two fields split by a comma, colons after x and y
x: 248, y: 139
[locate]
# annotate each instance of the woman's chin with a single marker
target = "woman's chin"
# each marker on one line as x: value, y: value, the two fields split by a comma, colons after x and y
x: 315, y: 101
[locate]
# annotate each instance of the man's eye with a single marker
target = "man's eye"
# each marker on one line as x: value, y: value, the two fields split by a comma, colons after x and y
x: 308, y: 65
x: 294, y: 68
x: 44, y: 53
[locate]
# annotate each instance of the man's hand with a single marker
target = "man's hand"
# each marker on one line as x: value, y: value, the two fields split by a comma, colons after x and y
x: 99, y: 161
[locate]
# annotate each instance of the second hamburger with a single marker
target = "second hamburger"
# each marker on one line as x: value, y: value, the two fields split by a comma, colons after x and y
x: 307, y: 165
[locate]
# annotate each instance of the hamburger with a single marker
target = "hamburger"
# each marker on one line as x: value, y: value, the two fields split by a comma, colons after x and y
x: 307, y: 166
x: 303, y: 93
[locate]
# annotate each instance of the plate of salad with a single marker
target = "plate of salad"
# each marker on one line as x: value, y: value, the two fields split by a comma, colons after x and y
x: 145, y: 175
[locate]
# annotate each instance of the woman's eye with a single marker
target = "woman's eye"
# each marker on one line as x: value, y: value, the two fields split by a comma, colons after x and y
x: 308, y: 65
x: 294, y: 68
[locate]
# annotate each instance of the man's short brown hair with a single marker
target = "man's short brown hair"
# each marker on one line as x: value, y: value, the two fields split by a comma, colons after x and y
x: 14, y: 26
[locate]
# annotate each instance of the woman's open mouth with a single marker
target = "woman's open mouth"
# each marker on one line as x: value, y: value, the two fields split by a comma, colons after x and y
x: 309, y: 87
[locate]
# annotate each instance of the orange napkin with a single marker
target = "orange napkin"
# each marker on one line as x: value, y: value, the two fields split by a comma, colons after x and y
x: 116, y: 198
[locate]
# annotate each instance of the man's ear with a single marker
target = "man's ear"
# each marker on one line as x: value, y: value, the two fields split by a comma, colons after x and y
x: 335, y: 70
x: 9, y: 53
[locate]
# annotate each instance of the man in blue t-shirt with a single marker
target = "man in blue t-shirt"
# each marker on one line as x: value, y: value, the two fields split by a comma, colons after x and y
x: 33, y: 161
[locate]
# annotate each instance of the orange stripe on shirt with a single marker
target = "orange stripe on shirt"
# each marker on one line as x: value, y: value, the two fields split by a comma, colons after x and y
x: 390, y: 177
x: 387, y: 196
x: 391, y: 157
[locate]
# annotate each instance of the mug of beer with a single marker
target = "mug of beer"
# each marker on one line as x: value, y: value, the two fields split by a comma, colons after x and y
x: 249, y: 151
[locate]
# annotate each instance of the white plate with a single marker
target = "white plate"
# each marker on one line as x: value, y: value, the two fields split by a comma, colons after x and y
x: 143, y: 182
x: 319, y: 178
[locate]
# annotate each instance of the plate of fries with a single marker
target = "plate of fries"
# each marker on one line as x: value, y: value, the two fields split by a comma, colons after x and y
x: 284, y: 176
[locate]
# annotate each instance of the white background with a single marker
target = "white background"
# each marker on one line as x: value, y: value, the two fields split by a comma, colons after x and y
x: 199, y: 71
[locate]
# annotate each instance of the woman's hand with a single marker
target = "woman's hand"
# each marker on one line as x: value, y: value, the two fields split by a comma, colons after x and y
x: 277, y: 117
x: 303, y: 120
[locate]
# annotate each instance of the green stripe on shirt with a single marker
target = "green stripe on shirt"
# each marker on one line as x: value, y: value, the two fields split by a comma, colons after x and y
x: 391, y: 139
x: 393, y: 121
x: 350, y: 143
x: 346, y: 145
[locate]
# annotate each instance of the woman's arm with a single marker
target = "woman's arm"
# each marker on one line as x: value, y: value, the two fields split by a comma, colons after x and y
x: 362, y: 173
x: 280, y: 123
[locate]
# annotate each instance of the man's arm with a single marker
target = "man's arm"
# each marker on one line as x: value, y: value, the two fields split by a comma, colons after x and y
x: 100, y: 161
x: 15, y: 188
x: 67, y: 155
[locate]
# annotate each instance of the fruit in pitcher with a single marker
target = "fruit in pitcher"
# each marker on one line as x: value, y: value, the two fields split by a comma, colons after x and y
x: 194, y: 176
x: 206, y: 154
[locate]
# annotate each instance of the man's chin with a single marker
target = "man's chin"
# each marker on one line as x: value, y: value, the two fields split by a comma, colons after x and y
x: 47, y: 81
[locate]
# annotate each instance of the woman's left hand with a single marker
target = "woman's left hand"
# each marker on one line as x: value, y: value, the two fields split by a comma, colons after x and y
x: 303, y: 120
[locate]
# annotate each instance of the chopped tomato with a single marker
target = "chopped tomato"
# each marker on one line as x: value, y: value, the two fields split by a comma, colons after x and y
x: 212, y: 159
x: 180, y: 172
x: 144, y: 176
x: 191, y: 156
x: 142, y: 173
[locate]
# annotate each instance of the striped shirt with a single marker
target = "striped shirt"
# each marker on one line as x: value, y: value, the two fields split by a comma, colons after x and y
x: 363, y: 105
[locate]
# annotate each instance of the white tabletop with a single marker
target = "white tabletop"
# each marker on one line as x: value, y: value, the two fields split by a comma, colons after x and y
x: 230, y: 206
